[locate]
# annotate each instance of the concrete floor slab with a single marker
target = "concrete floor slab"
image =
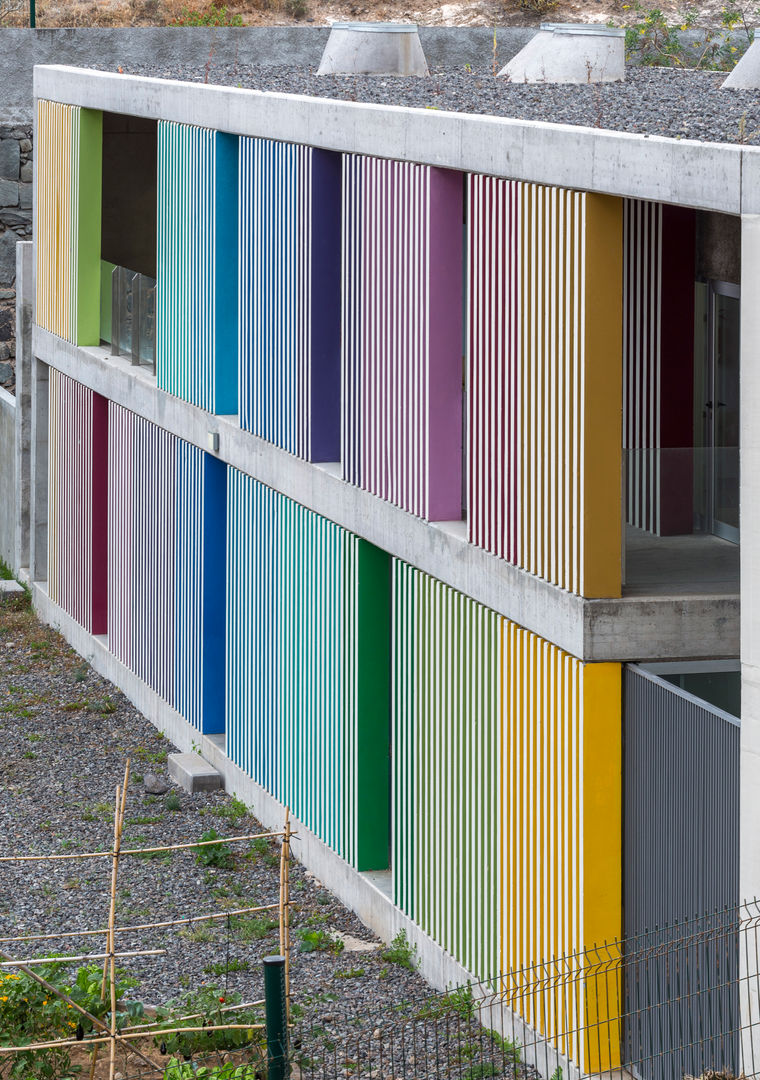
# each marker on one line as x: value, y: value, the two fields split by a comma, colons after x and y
x: 679, y: 565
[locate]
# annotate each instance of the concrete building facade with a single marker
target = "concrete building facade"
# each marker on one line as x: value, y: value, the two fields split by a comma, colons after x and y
x: 392, y: 458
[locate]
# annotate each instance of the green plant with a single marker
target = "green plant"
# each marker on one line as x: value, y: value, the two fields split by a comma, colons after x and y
x: 185, y: 1070
x: 459, y: 1001
x: 252, y: 928
x: 213, y: 15
x: 318, y: 941
x: 538, y: 7
x: 148, y: 856
x: 350, y: 973
x: 483, y: 1068
x: 172, y: 801
x: 510, y: 1049
x: 218, y: 855
x: 207, y: 1006
x: 401, y: 952
x: 234, y: 810
x: 557, y: 1074
x: 217, y: 970
x: 29, y: 1013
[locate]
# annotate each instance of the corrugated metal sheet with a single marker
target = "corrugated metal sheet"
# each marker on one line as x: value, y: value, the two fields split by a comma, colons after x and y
x: 166, y: 565
x: 308, y: 667
x: 196, y: 309
x: 402, y: 334
x: 506, y: 786
x: 544, y: 297
x: 290, y: 296
x: 681, y: 858
x: 77, y: 501
x: 68, y: 155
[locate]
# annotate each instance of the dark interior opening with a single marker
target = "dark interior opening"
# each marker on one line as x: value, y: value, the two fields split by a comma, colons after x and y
x: 129, y: 192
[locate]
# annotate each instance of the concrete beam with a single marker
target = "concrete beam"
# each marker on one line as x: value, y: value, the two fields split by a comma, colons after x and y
x: 703, y: 175
x: 634, y: 628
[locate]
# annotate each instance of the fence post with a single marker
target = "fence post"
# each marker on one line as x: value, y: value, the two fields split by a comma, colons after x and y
x: 276, y: 1018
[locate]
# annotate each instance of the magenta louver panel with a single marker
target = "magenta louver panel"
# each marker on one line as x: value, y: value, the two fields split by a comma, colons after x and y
x: 401, y: 433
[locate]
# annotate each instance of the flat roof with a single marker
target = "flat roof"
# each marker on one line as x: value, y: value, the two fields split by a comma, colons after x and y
x: 710, y: 175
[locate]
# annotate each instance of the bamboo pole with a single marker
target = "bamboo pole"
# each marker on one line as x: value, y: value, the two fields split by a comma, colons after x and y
x: 142, y: 926
x: 79, y: 959
x: 97, y: 1040
x: 138, y: 851
x: 286, y: 905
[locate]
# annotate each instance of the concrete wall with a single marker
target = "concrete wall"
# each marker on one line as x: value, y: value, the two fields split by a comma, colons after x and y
x: 7, y: 477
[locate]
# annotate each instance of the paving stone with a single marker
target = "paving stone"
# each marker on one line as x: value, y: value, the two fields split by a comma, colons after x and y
x: 9, y: 159
x: 193, y: 773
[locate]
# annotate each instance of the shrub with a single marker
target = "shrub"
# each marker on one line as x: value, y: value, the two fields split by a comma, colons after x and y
x: 401, y: 952
x: 207, y: 1003
x: 318, y: 941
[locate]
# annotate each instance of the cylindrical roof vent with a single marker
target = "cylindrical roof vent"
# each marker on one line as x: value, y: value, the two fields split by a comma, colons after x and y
x: 366, y: 48
x: 570, y: 53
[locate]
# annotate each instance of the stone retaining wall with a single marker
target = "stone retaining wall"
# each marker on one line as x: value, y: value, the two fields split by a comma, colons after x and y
x: 15, y: 225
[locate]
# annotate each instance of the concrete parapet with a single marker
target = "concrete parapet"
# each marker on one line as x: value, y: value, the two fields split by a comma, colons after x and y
x: 373, y: 49
x: 570, y: 53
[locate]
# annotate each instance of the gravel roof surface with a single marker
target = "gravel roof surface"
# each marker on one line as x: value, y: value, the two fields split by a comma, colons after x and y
x: 656, y: 101
x: 66, y: 736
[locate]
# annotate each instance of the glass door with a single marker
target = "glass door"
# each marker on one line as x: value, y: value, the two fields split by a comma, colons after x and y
x: 722, y: 412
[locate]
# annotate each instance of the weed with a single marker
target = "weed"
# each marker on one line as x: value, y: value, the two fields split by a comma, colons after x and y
x: 459, y: 1001
x: 199, y: 935
x: 234, y: 810
x: 172, y: 801
x: 316, y: 919
x: 350, y: 973
x: 148, y: 856
x: 296, y: 8
x: 483, y: 1068
x: 145, y: 820
x: 158, y: 757
x: 318, y: 941
x: 401, y: 952
x: 217, y: 855
x: 31, y: 755
x: 260, y: 846
x: 74, y: 706
x: 557, y: 1074
x: 34, y: 737
x: 296, y: 1011
x: 509, y: 1048
x: 217, y: 970
x: 80, y: 673
x: 252, y: 928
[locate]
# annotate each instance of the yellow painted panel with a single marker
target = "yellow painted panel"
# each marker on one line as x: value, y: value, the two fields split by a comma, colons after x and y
x: 603, y: 390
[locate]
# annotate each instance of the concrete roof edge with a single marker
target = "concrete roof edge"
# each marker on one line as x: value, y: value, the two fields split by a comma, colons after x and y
x: 680, y: 171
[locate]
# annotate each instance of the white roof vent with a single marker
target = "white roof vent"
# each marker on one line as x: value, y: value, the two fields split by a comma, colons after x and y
x: 367, y: 48
x: 570, y: 53
x: 746, y: 74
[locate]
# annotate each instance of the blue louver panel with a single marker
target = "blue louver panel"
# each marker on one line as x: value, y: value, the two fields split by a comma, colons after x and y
x: 196, y: 311
x: 289, y: 303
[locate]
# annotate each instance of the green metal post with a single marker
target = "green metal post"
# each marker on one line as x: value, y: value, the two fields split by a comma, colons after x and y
x: 276, y: 1018
x: 32, y: 14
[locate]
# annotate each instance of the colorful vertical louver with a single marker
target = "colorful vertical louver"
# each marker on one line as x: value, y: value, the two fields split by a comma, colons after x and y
x: 543, y: 334
x: 68, y: 155
x: 402, y: 334
x: 308, y: 667
x: 658, y: 366
x: 166, y: 566
x: 196, y: 310
x: 289, y: 301
x: 507, y: 785
x: 78, y: 501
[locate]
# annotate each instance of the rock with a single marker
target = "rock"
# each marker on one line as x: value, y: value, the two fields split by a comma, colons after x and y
x: 154, y: 785
x: 9, y: 159
x: 5, y: 352
x: 25, y: 196
x: 6, y: 372
x: 25, y: 146
x: 27, y: 172
x: 7, y: 257
x: 355, y: 944
x: 7, y: 324
x: 16, y: 217
x: 8, y: 193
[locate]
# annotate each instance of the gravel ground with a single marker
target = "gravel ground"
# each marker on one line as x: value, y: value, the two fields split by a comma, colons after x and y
x: 656, y: 101
x: 66, y: 736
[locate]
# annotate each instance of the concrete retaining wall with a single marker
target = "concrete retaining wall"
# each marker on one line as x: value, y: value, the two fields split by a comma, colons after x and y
x: 7, y: 477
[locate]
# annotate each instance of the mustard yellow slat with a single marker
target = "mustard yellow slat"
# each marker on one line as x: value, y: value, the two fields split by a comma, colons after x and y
x: 602, y: 858
x: 603, y: 396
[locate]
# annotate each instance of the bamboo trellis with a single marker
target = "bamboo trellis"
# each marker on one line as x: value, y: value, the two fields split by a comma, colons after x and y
x: 108, y: 1033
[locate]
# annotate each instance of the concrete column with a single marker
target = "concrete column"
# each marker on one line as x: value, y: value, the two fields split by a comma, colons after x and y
x: 749, y: 823
x: 24, y: 295
x: 38, y: 478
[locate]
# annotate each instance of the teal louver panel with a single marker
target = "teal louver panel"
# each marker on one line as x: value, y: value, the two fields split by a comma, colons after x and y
x: 307, y: 702
x: 196, y: 310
